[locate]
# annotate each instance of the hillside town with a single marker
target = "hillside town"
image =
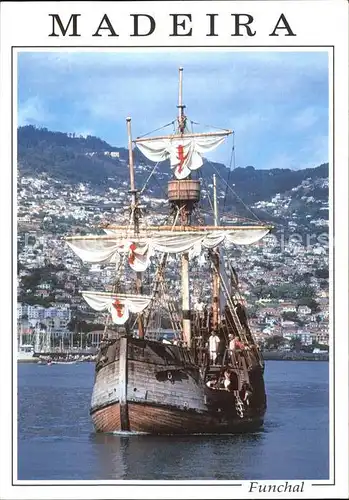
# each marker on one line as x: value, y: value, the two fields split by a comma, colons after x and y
x: 283, y: 278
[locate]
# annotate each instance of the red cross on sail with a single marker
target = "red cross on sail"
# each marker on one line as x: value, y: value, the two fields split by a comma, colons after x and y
x: 181, y: 157
x: 132, y: 254
x: 118, y: 307
x: 185, y: 152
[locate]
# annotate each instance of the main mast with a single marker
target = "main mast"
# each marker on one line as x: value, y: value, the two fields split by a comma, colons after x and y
x: 185, y: 220
x: 183, y: 194
x: 215, y: 262
x: 181, y: 106
x: 134, y: 215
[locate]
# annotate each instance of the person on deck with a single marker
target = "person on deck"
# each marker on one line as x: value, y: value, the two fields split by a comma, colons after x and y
x: 227, y: 381
x: 204, y: 316
x: 199, y: 306
x: 235, y: 345
x: 213, y: 342
x: 212, y: 384
x: 246, y: 391
x: 199, y: 309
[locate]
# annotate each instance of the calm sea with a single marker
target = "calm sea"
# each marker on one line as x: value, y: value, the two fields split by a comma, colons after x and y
x: 56, y: 440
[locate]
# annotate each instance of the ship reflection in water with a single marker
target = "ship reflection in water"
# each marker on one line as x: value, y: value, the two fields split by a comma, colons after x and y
x: 158, y: 457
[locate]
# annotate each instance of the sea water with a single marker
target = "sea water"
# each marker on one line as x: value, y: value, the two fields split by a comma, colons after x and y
x: 56, y: 440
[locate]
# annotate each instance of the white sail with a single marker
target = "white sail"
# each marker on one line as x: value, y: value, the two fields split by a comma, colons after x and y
x: 248, y: 237
x: 184, y: 153
x: 95, y: 251
x: 139, y: 251
x: 118, y: 305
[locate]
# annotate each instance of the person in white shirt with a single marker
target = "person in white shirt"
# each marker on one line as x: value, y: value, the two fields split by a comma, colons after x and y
x: 247, y: 393
x: 213, y: 342
x: 199, y: 309
x: 212, y: 384
x: 227, y: 381
x: 199, y: 306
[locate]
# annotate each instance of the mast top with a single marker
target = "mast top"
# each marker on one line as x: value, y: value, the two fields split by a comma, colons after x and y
x: 181, y: 106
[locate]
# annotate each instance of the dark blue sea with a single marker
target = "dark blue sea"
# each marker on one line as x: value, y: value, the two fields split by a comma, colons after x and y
x: 56, y: 440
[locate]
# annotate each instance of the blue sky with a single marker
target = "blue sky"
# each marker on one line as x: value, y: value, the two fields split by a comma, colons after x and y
x: 276, y: 102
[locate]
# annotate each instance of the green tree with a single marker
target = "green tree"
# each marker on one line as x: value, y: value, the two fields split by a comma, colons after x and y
x: 321, y: 273
x: 274, y: 342
x: 316, y: 345
x: 311, y: 303
x: 78, y: 325
x: 289, y: 316
x: 261, y: 282
x: 295, y: 344
x: 306, y: 292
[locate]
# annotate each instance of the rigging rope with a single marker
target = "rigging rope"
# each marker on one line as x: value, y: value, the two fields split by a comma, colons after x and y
x: 232, y: 190
x: 160, y: 281
x: 208, y: 194
x: 150, y: 175
x: 232, y: 160
x: 155, y: 130
x: 209, y: 126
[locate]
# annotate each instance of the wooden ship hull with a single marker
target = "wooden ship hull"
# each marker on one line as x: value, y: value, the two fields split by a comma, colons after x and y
x: 156, y: 388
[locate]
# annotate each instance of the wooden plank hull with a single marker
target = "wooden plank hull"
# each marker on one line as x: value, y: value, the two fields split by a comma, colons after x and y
x: 157, y: 420
x: 144, y: 386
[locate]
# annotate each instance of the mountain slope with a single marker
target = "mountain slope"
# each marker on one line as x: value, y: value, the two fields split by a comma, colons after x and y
x: 78, y: 159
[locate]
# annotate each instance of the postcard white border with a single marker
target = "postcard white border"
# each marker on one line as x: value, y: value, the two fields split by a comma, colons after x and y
x: 328, y: 28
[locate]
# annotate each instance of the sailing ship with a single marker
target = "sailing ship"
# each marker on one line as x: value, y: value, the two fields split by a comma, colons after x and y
x: 184, y: 385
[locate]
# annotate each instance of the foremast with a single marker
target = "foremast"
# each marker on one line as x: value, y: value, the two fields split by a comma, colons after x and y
x: 135, y: 216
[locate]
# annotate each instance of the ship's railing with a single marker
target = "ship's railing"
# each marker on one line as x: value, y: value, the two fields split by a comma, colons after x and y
x: 249, y: 354
x: 202, y: 356
x: 235, y: 357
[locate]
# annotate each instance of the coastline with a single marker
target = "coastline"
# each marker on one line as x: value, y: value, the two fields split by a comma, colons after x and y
x: 294, y: 356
